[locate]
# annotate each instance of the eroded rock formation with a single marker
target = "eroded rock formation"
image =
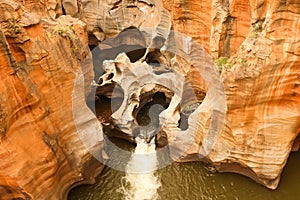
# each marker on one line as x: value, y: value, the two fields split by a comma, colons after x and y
x: 256, y: 50
x: 261, y: 83
x: 41, y: 153
x: 245, y: 120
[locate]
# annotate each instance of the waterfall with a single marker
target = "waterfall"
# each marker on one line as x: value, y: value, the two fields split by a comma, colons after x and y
x: 140, y: 182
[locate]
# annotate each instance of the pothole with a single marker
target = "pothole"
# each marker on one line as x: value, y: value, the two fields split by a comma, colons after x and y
x: 136, y: 85
x: 142, y: 116
x: 147, y: 117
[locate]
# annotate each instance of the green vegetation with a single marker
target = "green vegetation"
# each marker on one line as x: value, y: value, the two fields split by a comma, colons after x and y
x: 252, y: 35
x: 228, y: 63
x: 67, y: 32
x: 222, y: 62
x: 64, y: 31
x: 74, y: 50
x: 256, y: 28
x: 243, y: 61
x: 190, y: 108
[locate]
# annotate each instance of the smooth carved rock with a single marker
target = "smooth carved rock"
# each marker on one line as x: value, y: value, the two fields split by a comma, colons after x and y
x: 262, y: 86
x: 70, y: 7
x: 256, y: 135
x: 106, y: 19
x: 41, y: 154
x: 203, y: 87
x: 136, y: 79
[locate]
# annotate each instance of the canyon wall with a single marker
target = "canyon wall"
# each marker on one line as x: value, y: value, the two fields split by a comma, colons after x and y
x: 262, y: 90
x: 41, y: 153
x: 260, y: 77
x: 255, y: 45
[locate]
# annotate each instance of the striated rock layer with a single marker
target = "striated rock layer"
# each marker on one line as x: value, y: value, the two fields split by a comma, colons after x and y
x: 261, y: 83
x: 262, y: 90
x: 41, y: 153
x: 246, y: 120
x: 258, y: 45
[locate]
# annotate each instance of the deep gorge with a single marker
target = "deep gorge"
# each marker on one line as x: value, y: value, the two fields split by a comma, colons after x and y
x: 215, y: 84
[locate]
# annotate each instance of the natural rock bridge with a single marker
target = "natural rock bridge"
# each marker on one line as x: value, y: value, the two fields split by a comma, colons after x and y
x: 244, y: 120
x: 196, y: 101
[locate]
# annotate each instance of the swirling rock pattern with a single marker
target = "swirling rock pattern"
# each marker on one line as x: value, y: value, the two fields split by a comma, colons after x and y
x: 42, y: 51
x: 41, y: 153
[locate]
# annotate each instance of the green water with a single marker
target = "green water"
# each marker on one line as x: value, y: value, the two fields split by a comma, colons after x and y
x: 193, y: 181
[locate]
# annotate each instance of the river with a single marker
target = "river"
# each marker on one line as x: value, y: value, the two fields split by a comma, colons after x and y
x: 193, y: 181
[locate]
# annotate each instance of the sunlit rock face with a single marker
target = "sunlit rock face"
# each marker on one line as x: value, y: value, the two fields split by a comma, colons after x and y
x: 220, y: 26
x: 260, y: 79
x: 105, y: 19
x: 262, y: 90
x: 42, y: 59
x: 41, y: 153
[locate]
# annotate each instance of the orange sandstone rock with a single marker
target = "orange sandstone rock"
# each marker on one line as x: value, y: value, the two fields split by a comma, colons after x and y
x: 40, y: 55
x: 41, y: 153
x: 261, y: 80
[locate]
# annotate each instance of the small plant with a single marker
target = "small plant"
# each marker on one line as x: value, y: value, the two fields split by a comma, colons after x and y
x: 243, y: 61
x: 230, y: 65
x: 252, y: 35
x: 64, y: 31
x: 222, y: 62
x: 187, y: 110
x: 74, y: 50
x: 257, y: 27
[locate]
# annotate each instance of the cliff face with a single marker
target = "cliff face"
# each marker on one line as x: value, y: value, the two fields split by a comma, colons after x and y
x: 220, y: 26
x: 262, y: 90
x: 260, y: 76
x: 41, y: 154
x: 255, y: 44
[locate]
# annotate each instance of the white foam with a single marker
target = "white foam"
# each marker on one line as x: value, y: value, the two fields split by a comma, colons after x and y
x: 140, y: 182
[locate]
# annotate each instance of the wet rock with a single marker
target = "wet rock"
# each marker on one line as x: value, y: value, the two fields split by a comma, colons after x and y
x: 161, y: 139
